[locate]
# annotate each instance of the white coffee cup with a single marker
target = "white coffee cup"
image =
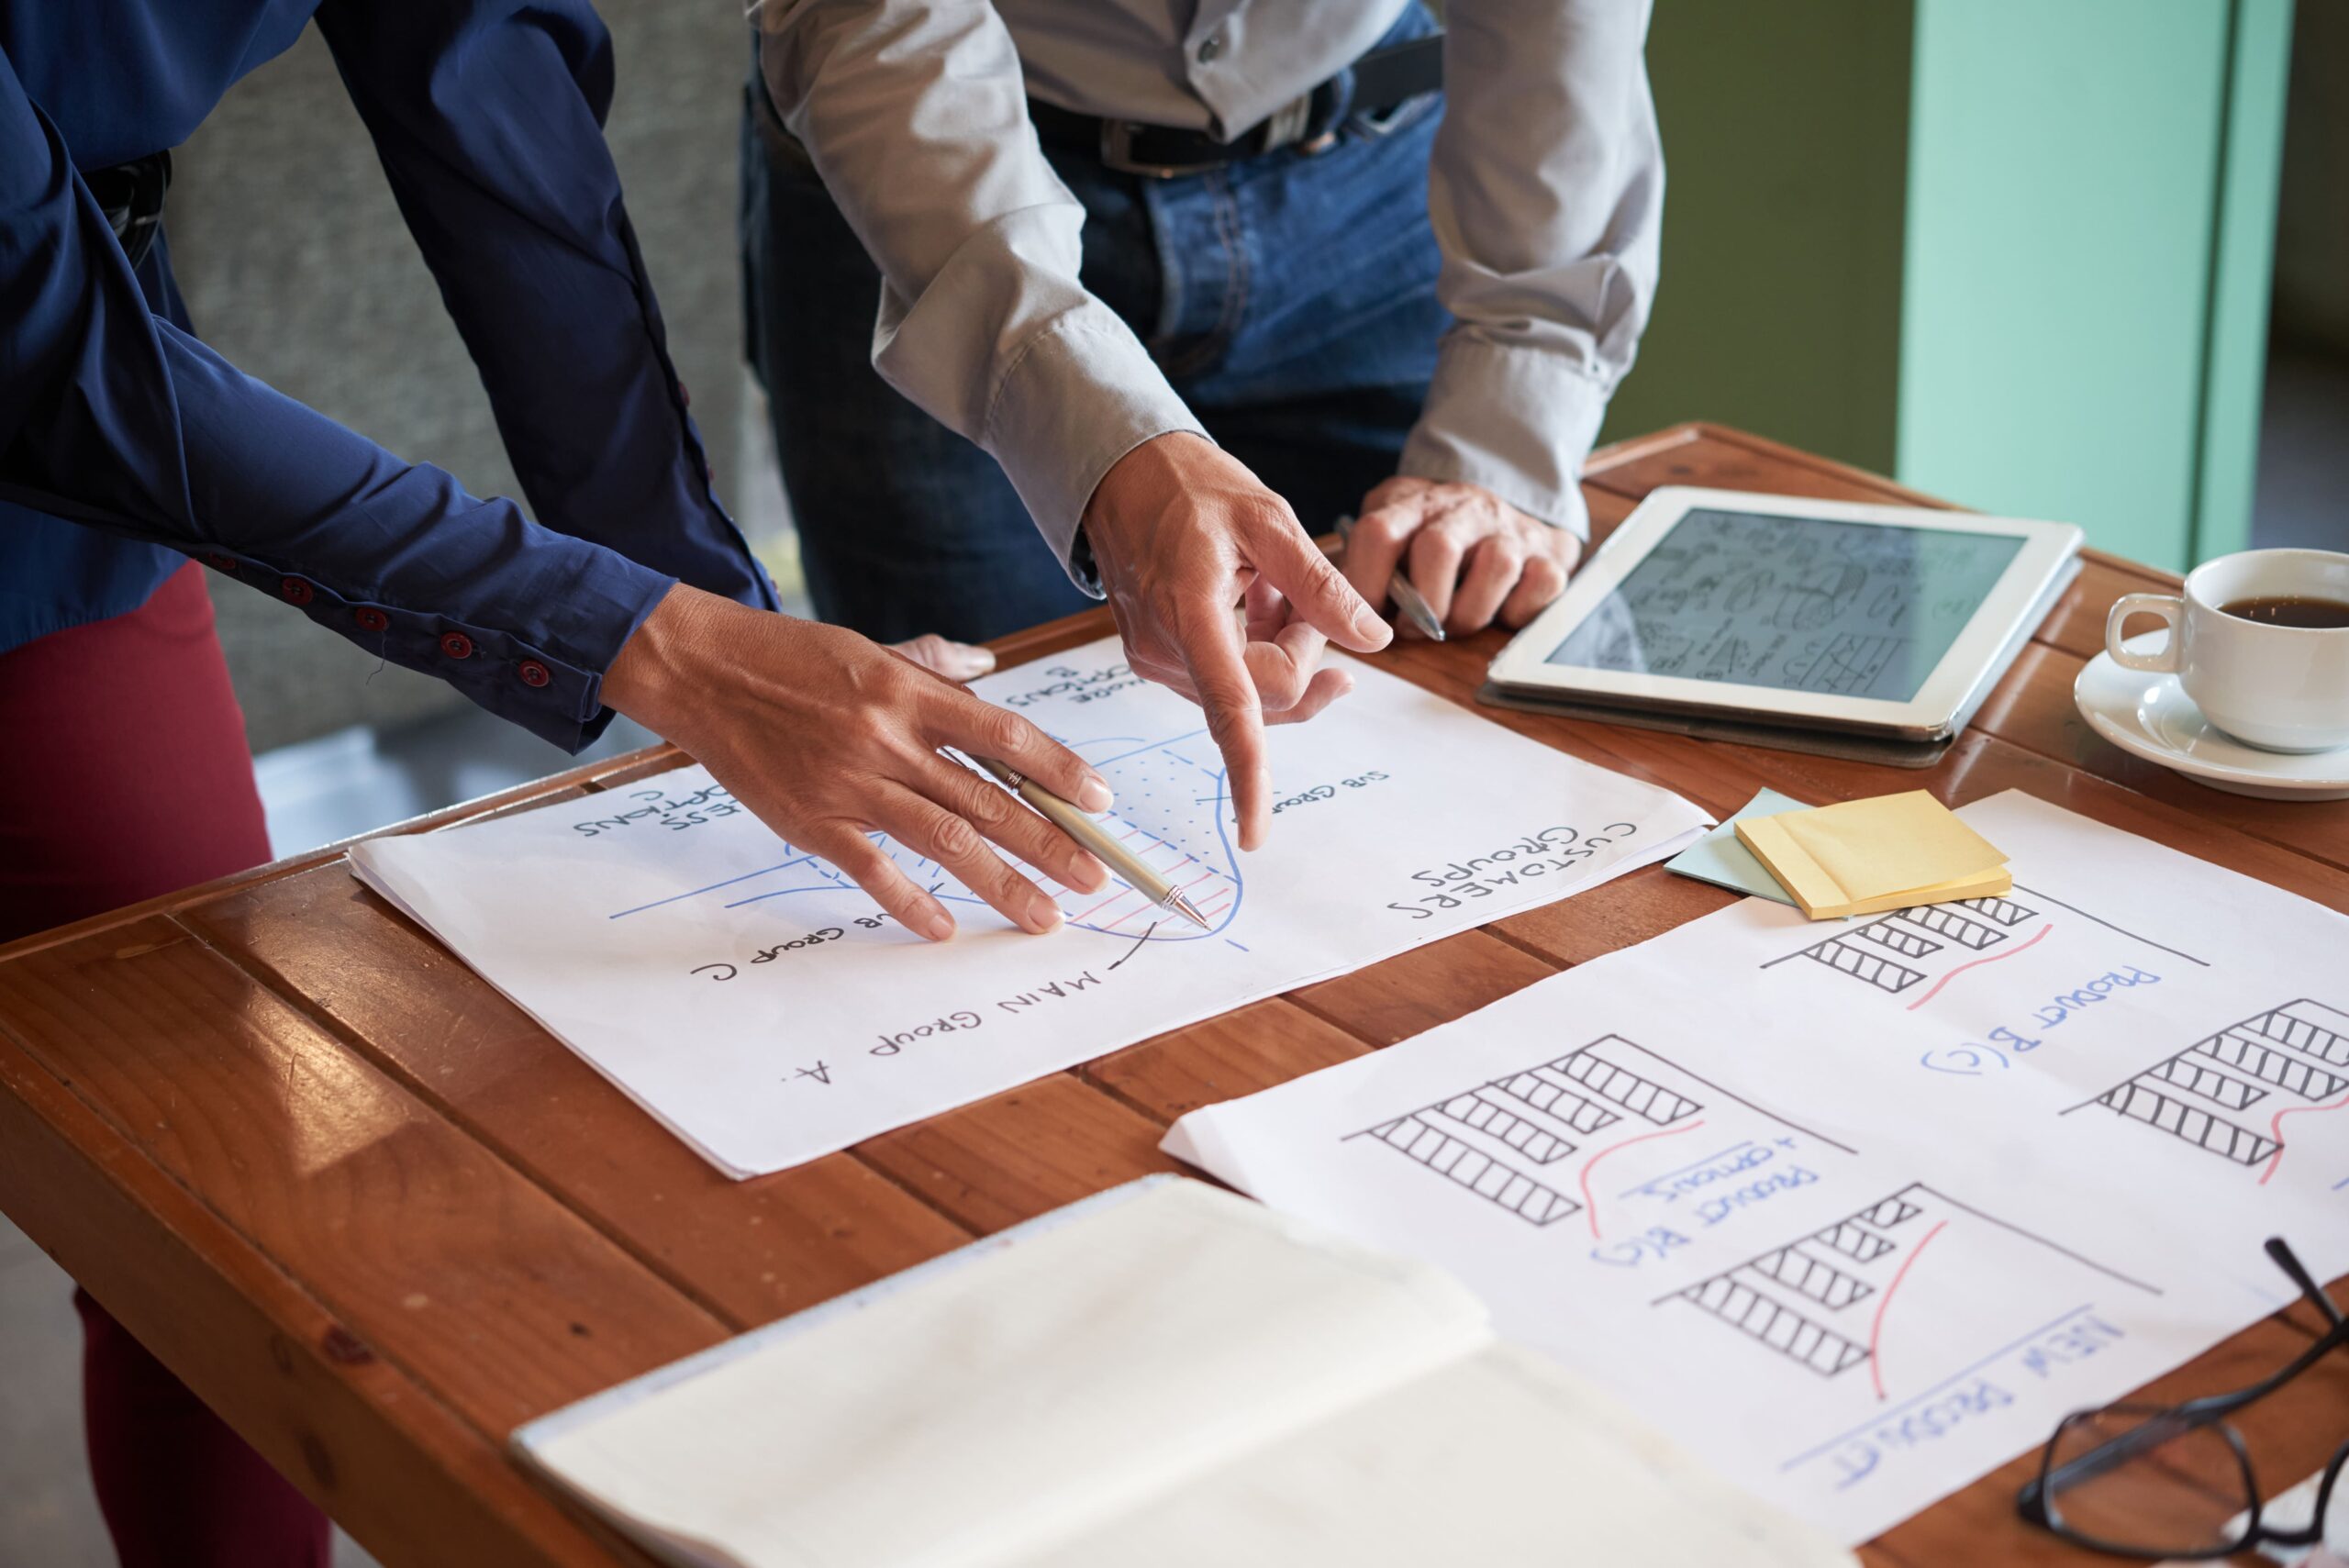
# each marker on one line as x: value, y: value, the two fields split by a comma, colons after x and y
x: 2282, y: 688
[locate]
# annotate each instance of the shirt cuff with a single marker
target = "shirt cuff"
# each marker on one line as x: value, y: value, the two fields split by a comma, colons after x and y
x: 548, y: 679
x: 1082, y: 394
x: 1516, y: 421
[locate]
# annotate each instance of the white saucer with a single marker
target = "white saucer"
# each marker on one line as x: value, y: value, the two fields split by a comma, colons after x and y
x: 2151, y: 716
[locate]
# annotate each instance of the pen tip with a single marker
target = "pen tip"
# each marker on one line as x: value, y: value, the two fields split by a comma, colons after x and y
x: 1183, y: 907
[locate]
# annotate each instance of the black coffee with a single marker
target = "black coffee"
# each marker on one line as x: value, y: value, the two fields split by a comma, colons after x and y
x: 2292, y: 609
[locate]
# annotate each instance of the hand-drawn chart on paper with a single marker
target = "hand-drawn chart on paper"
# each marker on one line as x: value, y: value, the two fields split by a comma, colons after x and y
x: 1173, y: 812
x: 1859, y: 1209
x: 2229, y: 1093
x: 763, y: 1007
x: 1532, y: 1143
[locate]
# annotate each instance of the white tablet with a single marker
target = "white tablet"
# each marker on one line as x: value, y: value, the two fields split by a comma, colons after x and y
x: 1824, y: 614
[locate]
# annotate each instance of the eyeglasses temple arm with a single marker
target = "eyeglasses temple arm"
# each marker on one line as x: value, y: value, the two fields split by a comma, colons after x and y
x: 2289, y: 1260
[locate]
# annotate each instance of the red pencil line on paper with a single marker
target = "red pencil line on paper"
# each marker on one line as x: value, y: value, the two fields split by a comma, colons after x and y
x: 2275, y: 1131
x: 1976, y: 964
x: 1876, y: 1329
x: 1590, y: 1204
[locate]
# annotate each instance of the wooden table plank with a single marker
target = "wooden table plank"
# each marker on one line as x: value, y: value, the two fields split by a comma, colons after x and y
x: 1248, y: 1049
x: 431, y: 1252
x: 1019, y: 1154
x: 747, y: 1250
x: 1413, y: 992
x: 361, y: 1437
x: 1648, y: 903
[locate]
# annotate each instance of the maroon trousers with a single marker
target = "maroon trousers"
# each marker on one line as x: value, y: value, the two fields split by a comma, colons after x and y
x: 127, y: 777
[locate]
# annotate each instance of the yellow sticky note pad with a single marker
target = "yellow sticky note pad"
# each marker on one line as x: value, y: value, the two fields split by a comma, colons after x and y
x: 1862, y: 856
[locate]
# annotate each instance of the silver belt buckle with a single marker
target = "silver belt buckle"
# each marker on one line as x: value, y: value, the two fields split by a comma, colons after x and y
x: 1117, y: 152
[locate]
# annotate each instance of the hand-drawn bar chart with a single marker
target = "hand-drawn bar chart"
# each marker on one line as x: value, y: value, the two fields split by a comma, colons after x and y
x: 1531, y: 1142
x: 1824, y: 1301
x: 1894, y: 952
x: 1505, y: 1140
x: 2231, y: 1093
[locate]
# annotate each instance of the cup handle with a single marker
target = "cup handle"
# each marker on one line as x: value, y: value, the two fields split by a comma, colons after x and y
x: 2169, y: 607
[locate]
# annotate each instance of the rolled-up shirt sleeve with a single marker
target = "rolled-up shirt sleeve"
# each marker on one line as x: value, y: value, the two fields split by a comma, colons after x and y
x: 1546, y: 191
x: 915, y: 115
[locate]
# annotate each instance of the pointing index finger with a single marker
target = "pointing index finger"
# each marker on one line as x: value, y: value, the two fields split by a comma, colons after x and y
x: 1220, y: 674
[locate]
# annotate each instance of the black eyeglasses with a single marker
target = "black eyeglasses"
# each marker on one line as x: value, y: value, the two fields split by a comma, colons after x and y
x: 2175, y: 1480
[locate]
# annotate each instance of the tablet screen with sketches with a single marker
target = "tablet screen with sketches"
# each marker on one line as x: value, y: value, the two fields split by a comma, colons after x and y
x: 1811, y: 612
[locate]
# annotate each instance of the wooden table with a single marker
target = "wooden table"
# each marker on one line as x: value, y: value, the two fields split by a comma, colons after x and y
x: 377, y: 1218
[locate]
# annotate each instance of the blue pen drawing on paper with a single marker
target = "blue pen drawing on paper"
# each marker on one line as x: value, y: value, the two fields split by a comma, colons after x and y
x: 1173, y: 811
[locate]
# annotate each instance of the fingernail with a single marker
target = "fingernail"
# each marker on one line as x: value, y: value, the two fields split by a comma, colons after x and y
x: 1093, y: 794
x: 1044, y: 914
x: 937, y: 925
x: 971, y: 660
x: 1371, y: 629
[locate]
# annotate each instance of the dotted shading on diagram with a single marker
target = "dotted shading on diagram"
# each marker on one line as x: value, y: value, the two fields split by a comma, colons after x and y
x: 2229, y: 1093
x: 1173, y: 811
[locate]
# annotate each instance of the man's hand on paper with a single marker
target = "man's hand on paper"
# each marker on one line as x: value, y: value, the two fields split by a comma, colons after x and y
x: 1182, y: 533
x: 824, y: 734
x: 1473, y: 556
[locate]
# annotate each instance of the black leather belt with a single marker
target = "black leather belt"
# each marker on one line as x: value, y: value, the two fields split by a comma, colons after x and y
x: 131, y: 195
x: 1381, y: 81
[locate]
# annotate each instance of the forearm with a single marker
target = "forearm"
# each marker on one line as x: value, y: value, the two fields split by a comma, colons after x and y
x: 398, y: 557
x: 1546, y: 192
x: 914, y: 115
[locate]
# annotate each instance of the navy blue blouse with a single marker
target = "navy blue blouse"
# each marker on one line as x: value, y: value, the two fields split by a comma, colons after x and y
x: 125, y: 444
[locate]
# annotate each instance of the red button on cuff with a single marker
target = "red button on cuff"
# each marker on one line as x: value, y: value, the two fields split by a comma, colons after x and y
x: 533, y: 673
x: 684, y: 397
x: 295, y: 590
x: 457, y: 645
x: 227, y: 564
x: 371, y: 620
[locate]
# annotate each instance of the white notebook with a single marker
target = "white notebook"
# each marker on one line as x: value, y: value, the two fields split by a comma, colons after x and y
x: 1166, y: 1374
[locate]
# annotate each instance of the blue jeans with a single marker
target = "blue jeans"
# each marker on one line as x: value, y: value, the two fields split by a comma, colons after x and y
x: 1290, y: 299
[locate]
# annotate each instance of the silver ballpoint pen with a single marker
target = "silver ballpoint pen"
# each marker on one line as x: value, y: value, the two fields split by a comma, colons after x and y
x: 1398, y: 588
x: 1071, y: 819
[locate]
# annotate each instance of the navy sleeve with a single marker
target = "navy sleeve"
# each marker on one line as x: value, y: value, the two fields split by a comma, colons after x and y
x: 488, y: 117
x: 112, y: 417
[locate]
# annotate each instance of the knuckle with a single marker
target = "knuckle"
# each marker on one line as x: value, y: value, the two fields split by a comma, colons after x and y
x: 953, y: 839
x: 986, y: 804
x: 1004, y: 730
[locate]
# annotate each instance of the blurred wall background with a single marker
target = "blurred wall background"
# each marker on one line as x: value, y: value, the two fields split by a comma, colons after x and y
x: 2016, y: 252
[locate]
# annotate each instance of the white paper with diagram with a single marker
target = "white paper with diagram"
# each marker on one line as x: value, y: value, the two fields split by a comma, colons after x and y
x: 1858, y: 1210
x: 767, y: 1011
